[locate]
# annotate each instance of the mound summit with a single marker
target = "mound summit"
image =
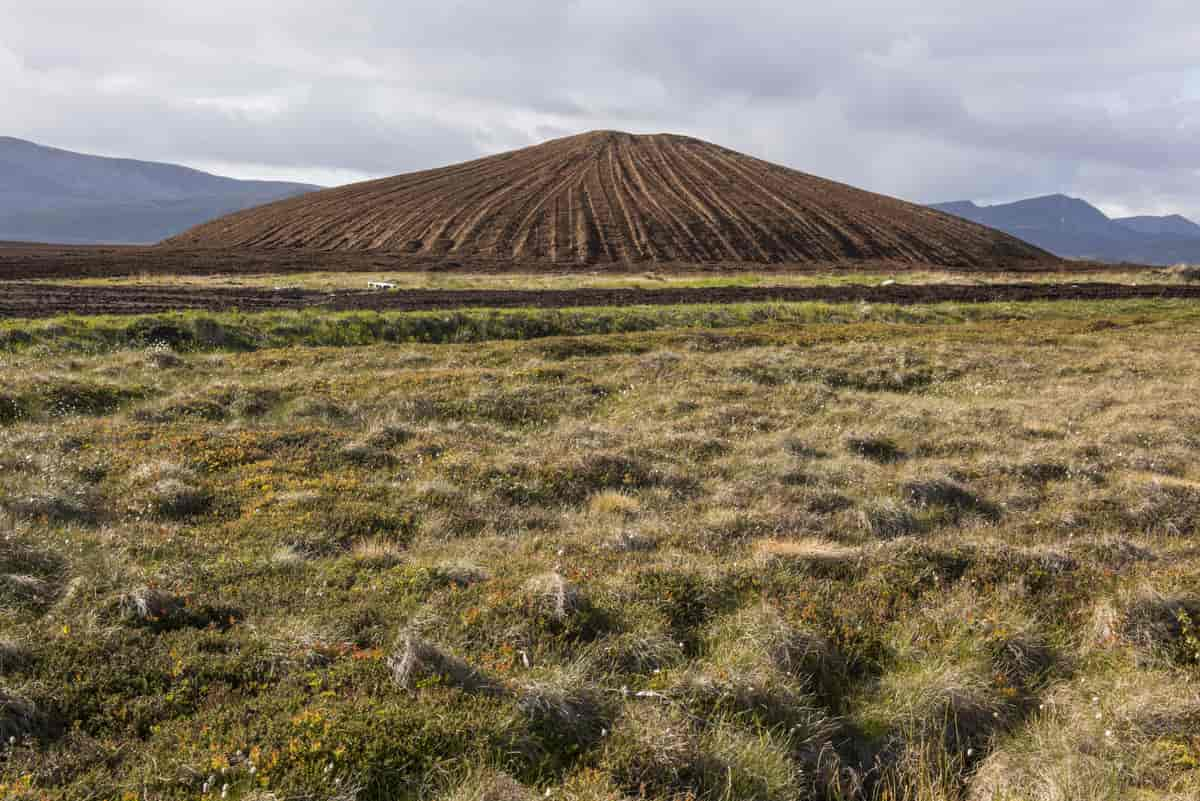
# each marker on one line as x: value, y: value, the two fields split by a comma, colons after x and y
x: 608, y: 196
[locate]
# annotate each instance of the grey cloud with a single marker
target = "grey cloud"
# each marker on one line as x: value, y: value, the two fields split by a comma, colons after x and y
x: 929, y: 100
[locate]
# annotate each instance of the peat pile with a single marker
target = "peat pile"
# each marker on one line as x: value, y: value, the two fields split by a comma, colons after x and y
x: 608, y: 198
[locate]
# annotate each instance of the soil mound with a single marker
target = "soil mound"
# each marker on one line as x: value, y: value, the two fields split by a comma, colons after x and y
x: 611, y: 197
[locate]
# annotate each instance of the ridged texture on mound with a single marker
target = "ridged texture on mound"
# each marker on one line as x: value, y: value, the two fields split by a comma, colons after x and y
x: 617, y: 197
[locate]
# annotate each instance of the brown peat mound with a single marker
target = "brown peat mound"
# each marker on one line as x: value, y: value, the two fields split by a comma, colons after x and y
x: 610, y: 197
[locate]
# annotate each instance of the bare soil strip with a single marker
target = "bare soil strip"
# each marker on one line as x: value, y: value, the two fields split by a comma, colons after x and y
x: 27, y: 262
x: 22, y: 300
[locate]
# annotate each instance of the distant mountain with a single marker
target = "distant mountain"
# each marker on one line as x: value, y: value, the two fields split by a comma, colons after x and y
x: 1171, y: 225
x: 51, y: 195
x: 1075, y: 229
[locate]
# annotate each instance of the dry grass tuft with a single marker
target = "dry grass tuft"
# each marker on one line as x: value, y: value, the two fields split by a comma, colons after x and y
x: 1022, y: 657
x: 612, y: 503
x: 553, y: 597
x: 632, y: 542
x: 753, y: 765
x: 887, y: 519
x: 656, y: 752
x: 801, y: 449
x: 462, y: 573
x: 958, y: 714
x: 490, y: 785
x: 438, y: 491
x: 415, y: 663
x: 160, y: 469
x: 170, y: 490
x: 824, y: 555
x: 160, y: 356
x: 377, y: 552
x: 660, y: 363
x: 943, y: 719
x: 288, y: 556
x: 385, y: 436
x: 174, y: 499
x: 148, y: 605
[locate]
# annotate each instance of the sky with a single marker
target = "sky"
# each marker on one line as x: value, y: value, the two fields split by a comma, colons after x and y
x: 929, y: 100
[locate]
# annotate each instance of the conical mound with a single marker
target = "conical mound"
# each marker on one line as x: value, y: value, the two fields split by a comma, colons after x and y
x: 616, y: 197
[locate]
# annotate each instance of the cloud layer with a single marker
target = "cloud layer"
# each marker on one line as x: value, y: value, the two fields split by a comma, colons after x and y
x: 928, y: 100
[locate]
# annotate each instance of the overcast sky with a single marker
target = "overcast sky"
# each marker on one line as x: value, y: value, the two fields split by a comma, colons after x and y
x: 925, y: 99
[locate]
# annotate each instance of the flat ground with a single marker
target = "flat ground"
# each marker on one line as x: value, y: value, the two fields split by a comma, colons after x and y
x: 753, y: 551
x: 22, y: 261
x: 49, y: 299
x: 49, y: 280
x: 326, y: 281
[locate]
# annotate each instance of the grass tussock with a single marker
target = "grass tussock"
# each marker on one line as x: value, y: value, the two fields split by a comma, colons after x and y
x: 874, y: 448
x: 1119, y: 738
x: 19, y: 718
x: 169, y: 490
x: 66, y: 503
x: 943, y: 720
x: 1163, y: 626
x: 948, y: 495
x: 416, y: 664
x: 1187, y: 272
x: 562, y: 607
x: 490, y: 785
x: 739, y: 644
x: 564, y: 714
x: 888, y: 519
x: 14, y: 656
x: 613, y: 504
x: 375, y: 552
x: 636, y: 653
x: 149, y: 605
x: 655, y: 753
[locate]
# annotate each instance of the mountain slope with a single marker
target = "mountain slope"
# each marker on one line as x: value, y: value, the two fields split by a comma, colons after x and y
x: 1073, y: 228
x: 1170, y: 225
x: 608, y: 196
x: 52, y: 195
